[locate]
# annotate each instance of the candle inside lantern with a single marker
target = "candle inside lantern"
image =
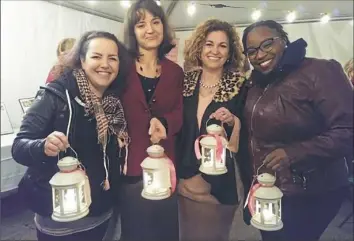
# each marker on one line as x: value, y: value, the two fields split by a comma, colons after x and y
x: 269, y: 217
x: 70, y: 204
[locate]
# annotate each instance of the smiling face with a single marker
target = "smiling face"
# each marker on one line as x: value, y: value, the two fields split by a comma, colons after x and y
x: 265, y: 48
x: 148, y: 31
x: 215, y: 51
x: 101, y: 63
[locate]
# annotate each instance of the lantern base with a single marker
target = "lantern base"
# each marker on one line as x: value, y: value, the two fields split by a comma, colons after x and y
x: 64, y: 219
x: 265, y: 227
x: 212, y: 171
x: 157, y: 196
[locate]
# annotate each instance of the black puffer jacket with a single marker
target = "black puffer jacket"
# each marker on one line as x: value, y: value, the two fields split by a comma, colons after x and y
x: 50, y: 112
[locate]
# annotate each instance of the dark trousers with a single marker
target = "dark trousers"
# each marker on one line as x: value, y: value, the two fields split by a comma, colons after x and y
x: 205, y: 222
x: 148, y: 220
x: 96, y: 234
x: 306, y: 218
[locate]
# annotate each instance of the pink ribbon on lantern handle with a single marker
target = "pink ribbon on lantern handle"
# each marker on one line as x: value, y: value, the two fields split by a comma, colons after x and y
x: 251, y: 203
x: 219, y: 147
x: 173, y: 176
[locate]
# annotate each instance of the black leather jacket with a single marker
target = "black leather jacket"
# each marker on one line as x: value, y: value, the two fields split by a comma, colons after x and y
x: 50, y: 113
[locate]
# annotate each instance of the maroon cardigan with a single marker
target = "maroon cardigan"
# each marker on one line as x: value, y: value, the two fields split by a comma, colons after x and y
x: 167, y: 102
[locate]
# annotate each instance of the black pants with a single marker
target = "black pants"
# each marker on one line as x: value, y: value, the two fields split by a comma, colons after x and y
x: 147, y: 220
x: 306, y: 218
x: 96, y: 234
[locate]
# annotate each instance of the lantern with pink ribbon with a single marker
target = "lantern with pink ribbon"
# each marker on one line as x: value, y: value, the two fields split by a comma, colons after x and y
x: 264, y: 203
x: 159, y: 174
x: 213, y: 154
x: 70, y: 191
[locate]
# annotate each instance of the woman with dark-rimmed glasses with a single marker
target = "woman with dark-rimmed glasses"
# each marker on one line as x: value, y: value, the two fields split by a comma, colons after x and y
x: 299, y: 116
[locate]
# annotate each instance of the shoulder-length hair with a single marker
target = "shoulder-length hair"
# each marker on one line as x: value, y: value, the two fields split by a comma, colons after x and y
x: 134, y: 15
x: 72, y: 60
x: 195, y: 43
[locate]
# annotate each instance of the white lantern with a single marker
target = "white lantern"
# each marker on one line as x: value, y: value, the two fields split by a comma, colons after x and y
x: 156, y: 174
x: 71, y: 191
x: 213, y: 155
x: 265, y: 204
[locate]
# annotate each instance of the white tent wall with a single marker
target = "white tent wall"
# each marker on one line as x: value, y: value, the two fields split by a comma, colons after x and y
x: 333, y: 40
x: 30, y: 32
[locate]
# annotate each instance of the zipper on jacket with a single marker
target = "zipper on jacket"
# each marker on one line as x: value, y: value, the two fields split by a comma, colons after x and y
x: 253, y: 110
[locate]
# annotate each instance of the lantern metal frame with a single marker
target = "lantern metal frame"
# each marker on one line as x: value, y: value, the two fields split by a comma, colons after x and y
x: 156, y: 169
x: 71, y: 179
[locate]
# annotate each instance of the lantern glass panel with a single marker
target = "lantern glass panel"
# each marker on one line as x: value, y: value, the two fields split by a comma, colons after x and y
x: 208, y: 157
x: 220, y: 164
x: 268, y: 213
x: 70, y: 200
x: 57, y: 200
x: 258, y: 206
x: 148, y: 178
x: 82, y: 198
x: 159, y: 180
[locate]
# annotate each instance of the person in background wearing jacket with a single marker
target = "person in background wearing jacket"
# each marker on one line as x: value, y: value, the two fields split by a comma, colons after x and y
x: 153, y: 104
x: 79, y: 110
x: 299, y: 116
x: 63, y: 48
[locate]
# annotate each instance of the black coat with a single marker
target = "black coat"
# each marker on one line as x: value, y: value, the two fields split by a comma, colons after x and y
x: 230, y: 95
x: 50, y: 113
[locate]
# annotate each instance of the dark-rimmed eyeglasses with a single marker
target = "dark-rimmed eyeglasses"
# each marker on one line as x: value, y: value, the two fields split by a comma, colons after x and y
x: 265, y: 46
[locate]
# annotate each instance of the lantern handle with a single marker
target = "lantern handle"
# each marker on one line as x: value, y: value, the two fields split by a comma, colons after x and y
x: 222, y: 125
x: 209, y: 119
x: 77, y: 157
x: 206, y: 123
x: 275, y: 172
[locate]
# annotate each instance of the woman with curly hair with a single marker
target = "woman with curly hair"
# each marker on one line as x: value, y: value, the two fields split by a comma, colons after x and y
x: 211, y: 96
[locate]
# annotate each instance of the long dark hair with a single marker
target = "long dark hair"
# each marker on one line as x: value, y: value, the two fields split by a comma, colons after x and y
x: 72, y: 59
x: 267, y: 23
x: 134, y: 15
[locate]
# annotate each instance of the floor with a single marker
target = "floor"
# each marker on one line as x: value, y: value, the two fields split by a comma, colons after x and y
x: 17, y: 224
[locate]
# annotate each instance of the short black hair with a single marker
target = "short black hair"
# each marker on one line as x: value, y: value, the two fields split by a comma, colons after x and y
x: 267, y: 23
x: 133, y: 17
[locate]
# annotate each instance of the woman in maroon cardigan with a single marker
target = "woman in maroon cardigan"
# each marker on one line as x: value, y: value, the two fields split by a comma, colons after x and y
x: 153, y: 107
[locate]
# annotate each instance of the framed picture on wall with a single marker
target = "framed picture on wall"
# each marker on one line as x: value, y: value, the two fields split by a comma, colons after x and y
x: 26, y: 103
x: 6, y: 127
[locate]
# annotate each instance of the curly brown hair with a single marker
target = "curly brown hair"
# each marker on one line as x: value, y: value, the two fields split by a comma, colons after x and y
x: 194, y: 45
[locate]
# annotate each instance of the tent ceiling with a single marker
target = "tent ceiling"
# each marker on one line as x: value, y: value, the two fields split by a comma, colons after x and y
x: 240, y: 14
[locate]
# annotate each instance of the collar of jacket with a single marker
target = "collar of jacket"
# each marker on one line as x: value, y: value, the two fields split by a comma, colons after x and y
x: 293, y: 56
x: 229, y: 86
x: 65, y: 82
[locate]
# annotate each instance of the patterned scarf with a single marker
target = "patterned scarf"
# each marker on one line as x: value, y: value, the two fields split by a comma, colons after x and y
x: 109, y: 116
